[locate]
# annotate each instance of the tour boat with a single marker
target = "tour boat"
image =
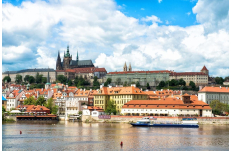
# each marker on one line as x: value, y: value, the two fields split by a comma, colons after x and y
x: 149, y: 122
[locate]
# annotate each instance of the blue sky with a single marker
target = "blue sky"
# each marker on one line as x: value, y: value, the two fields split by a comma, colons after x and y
x: 179, y: 35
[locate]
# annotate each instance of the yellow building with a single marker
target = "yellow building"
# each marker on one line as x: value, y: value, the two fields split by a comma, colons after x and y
x: 119, y: 95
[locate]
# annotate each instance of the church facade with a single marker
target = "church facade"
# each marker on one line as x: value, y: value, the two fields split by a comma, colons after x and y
x: 68, y: 63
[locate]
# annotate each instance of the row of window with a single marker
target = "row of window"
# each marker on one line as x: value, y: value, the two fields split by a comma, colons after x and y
x: 160, y: 110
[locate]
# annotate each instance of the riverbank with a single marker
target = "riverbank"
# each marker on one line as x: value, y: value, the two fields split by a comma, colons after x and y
x: 129, y: 119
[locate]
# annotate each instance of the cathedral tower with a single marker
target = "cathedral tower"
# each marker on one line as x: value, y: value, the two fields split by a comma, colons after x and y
x: 67, y: 59
x: 130, y: 67
x: 125, y: 67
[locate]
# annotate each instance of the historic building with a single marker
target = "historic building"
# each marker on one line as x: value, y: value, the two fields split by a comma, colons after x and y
x: 208, y: 94
x: 31, y: 72
x: 185, y: 105
x: 119, y: 95
x: 199, y: 78
x: 68, y: 63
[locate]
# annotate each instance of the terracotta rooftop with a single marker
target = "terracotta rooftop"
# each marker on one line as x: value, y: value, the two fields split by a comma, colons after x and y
x: 215, y: 89
x: 204, y: 68
x: 120, y: 90
x: 126, y: 72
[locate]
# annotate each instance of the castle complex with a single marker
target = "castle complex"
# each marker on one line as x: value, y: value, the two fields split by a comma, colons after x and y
x: 68, y: 63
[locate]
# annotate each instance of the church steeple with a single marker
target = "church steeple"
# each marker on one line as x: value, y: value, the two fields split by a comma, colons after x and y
x: 77, y: 57
x: 58, y: 62
x: 125, y: 67
x: 130, y: 67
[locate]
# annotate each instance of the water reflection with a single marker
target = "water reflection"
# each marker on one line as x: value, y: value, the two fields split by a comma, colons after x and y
x: 107, y: 136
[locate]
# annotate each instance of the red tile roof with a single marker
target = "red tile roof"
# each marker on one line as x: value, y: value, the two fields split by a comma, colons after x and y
x: 186, y: 73
x: 204, y: 68
x: 126, y: 72
x: 215, y: 89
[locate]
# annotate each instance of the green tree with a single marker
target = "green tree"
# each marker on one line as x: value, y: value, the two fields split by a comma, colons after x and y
x: 62, y: 79
x: 109, y: 80
x: 18, y: 78
x: 96, y: 82
x: 173, y: 82
x: 148, y: 86
x: 55, y: 109
x: 26, y: 78
x: 193, y: 85
x: 80, y: 112
x: 182, y: 82
x: 44, y: 80
x: 137, y: 84
x: 118, y: 81
x: 38, y: 78
x: 50, y: 104
x: 161, y: 84
x: 111, y: 108
x: 219, y: 80
x: 226, y: 78
x: 40, y: 101
x: 31, y: 79
x: 6, y: 78
x: 3, y: 111
x: 69, y: 83
x: 217, y: 106
x: 30, y: 101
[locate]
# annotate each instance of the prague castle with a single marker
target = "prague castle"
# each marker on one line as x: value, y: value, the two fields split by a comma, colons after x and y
x: 68, y: 63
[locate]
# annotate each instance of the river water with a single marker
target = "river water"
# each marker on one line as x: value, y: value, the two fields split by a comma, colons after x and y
x: 107, y: 136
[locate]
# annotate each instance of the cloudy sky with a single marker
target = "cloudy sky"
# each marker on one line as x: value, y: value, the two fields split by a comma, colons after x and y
x: 179, y: 35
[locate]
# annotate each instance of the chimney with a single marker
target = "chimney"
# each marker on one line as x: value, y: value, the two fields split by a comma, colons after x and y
x: 141, y: 89
x: 42, y: 89
x: 220, y: 87
x: 226, y: 87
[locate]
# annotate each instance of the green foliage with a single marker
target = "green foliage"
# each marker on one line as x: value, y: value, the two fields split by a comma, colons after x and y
x: 95, y: 82
x: 219, y: 107
x: 51, y: 105
x: 118, y: 81
x: 40, y: 101
x: 125, y: 84
x: 6, y: 78
x: 148, y: 86
x: 137, y: 84
x: 69, y: 83
x: 31, y: 79
x: 3, y: 109
x: 30, y: 101
x: 226, y: 78
x: 173, y: 82
x: 184, y: 88
x: 26, y: 78
x: 80, y: 112
x: 193, y: 85
x: 80, y: 81
x: 62, y: 79
x: 55, y: 109
x: 44, y: 80
x: 107, y: 82
x: 219, y: 80
x: 161, y: 84
x: 111, y: 108
x: 38, y: 78
x: 182, y: 82
x: 18, y: 78
x: 32, y: 86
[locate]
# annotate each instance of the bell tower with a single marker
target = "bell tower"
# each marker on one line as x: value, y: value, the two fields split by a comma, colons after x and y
x: 67, y: 59
x: 125, y: 67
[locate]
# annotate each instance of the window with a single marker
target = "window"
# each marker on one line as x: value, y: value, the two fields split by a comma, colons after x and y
x: 188, y: 110
x: 174, y: 110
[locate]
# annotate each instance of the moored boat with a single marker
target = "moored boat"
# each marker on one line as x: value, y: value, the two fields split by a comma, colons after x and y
x: 146, y: 122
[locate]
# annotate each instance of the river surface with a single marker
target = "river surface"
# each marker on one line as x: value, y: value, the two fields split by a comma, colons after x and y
x: 106, y: 136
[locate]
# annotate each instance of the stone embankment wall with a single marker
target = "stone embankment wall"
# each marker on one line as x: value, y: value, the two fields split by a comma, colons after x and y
x: 127, y: 119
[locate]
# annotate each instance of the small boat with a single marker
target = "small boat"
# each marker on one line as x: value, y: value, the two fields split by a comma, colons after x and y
x: 146, y: 122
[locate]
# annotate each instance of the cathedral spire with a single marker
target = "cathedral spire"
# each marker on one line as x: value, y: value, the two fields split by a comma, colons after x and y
x: 130, y: 67
x: 77, y: 58
x: 125, y: 67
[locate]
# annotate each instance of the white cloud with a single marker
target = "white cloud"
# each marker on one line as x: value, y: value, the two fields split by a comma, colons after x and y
x: 142, y: 9
x: 159, y: 1
x: 213, y: 15
x: 188, y: 13
x: 99, y: 31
